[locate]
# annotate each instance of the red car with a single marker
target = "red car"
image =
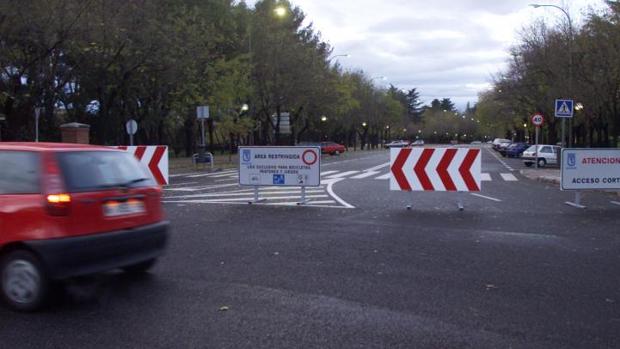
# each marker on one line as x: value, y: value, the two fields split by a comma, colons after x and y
x: 69, y: 210
x: 332, y: 148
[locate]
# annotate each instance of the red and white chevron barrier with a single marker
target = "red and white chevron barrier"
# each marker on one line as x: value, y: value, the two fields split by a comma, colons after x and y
x: 435, y: 169
x: 155, y: 157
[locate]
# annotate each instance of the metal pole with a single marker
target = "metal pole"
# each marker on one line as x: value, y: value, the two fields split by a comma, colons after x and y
x: 202, y: 132
x: 36, y: 128
x: 537, y: 131
x: 563, y: 132
x: 131, y: 139
x: 256, y: 194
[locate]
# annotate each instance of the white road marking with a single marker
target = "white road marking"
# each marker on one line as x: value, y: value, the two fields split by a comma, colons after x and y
x: 182, y: 174
x: 225, y: 194
x: 246, y: 199
x: 385, y: 176
x: 486, y: 177
x: 365, y: 174
x: 500, y: 160
x: 615, y: 203
x: 328, y: 173
x: 570, y: 203
x: 214, y: 174
x: 372, y: 169
x: 341, y: 175
x: 192, y: 189
x: 486, y: 197
x: 508, y: 177
x: 330, y: 190
x: 293, y: 204
x: 180, y: 184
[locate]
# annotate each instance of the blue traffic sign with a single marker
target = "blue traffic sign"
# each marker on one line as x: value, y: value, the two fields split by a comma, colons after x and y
x: 564, y: 108
x: 278, y: 179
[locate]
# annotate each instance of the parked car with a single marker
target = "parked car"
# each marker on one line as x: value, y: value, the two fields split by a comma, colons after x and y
x: 547, y: 155
x: 332, y: 148
x: 418, y: 142
x: 476, y: 143
x: 502, y: 146
x: 397, y: 144
x: 514, y: 150
x: 69, y: 210
x: 498, y: 141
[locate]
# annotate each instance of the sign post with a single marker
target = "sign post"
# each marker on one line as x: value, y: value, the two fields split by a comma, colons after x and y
x: 37, y: 114
x: 564, y: 109
x: 202, y: 114
x: 131, y: 126
x: 280, y: 167
x: 589, y: 169
x: 538, y: 120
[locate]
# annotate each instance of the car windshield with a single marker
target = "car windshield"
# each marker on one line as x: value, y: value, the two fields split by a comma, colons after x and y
x: 92, y: 170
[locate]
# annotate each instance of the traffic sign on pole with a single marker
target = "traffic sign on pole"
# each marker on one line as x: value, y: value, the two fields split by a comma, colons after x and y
x: 564, y: 108
x: 131, y: 126
x: 538, y: 119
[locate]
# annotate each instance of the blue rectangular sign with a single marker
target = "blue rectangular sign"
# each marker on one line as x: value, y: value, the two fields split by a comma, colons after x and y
x: 564, y: 108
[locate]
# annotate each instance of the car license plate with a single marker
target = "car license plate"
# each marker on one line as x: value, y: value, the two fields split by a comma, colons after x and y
x: 123, y: 208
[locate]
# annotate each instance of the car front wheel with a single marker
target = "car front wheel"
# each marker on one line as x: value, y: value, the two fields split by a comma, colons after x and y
x: 24, y: 283
x: 542, y: 162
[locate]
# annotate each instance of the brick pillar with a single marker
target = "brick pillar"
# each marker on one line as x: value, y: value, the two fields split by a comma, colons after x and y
x: 75, y: 133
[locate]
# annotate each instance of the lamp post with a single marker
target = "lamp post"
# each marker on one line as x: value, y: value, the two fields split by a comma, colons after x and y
x: 336, y: 56
x: 570, y: 70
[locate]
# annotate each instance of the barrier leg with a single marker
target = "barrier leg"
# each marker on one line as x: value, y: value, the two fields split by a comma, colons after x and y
x: 303, y: 197
x: 410, y: 206
x: 459, y: 203
x: 257, y: 199
x: 577, y: 202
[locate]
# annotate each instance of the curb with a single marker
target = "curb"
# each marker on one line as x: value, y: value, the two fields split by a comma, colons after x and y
x: 544, y: 179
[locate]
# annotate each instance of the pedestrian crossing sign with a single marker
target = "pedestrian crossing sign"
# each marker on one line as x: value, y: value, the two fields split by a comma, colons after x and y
x: 564, y: 108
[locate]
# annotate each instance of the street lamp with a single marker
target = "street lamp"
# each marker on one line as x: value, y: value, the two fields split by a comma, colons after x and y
x: 245, y: 107
x: 323, y: 118
x: 570, y: 69
x: 336, y: 56
x: 364, y: 124
x: 280, y: 11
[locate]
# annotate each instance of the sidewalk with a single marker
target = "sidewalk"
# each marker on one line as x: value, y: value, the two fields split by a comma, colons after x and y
x: 547, y: 175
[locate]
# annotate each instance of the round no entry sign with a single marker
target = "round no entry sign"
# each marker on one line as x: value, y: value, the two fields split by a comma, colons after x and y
x: 538, y: 120
x: 309, y: 157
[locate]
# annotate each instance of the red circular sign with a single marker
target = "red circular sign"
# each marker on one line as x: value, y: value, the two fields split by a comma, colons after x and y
x: 538, y: 119
x: 309, y: 157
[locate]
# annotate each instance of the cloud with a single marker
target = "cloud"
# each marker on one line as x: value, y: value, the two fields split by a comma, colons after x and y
x: 445, y: 48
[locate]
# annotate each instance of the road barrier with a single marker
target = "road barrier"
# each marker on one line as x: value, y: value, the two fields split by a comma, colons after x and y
x: 436, y: 169
x: 154, y: 157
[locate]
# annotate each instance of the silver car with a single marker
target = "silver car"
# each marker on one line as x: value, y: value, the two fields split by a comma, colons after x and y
x: 547, y: 155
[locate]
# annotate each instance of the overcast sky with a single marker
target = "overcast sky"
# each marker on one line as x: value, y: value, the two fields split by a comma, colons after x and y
x: 445, y: 48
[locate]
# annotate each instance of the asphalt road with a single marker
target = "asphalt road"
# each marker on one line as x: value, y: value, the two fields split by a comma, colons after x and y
x: 516, y: 269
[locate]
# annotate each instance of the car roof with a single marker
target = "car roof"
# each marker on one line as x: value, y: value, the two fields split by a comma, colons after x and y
x: 43, y: 146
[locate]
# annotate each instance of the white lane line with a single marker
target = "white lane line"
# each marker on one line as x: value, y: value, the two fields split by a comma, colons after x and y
x: 214, y: 174
x: 365, y: 174
x: 182, y: 174
x: 192, y: 189
x: 500, y: 160
x: 293, y: 204
x: 246, y: 199
x: 181, y: 184
x: 328, y: 173
x: 342, y: 174
x: 330, y: 190
x: 486, y: 177
x: 486, y: 197
x: 508, y: 177
x: 229, y: 174
x: 372, y: 169
x: 615, y: 203
x: 225, y: 194
x: 385, y: 176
